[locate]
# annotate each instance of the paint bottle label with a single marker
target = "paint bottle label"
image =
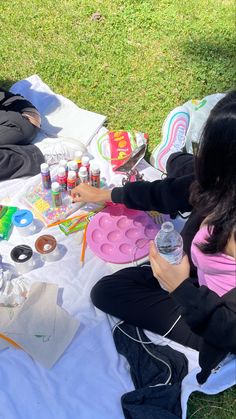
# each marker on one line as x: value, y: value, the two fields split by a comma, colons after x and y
x: 61, y: 178
x: 62, y: 182
x: 46, y: 177
x: 83, y: 175
x: 95, y: 179
x: 56, y: 194
x: 71, y: 184
x: 46, y: 180
x: 95, y: 174
x: 56, y: 198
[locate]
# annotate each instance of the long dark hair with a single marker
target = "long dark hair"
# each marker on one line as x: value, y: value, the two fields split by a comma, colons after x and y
x: 213, y: 194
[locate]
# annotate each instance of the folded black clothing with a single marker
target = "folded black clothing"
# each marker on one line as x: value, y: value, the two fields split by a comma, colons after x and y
x: 18, y: 161
x: 157, y: 372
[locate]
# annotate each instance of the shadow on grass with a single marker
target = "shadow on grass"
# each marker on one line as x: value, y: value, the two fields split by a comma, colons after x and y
x: 212, y: 50
x: 213, y: 61
x: 6, y: 84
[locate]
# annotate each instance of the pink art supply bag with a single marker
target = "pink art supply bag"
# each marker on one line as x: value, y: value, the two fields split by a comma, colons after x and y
x: 117, y: 146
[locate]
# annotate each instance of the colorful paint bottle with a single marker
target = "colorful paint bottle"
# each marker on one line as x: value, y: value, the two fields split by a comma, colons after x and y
x: 78, y: 157
x: 63, y: 163
x: 83, y: 174
x: 72, y: 165
x: 46, y: 177
x: 95, y: 175
x: 56, y: 194
x: 71, y: 181
x: 61, y: 178
x: 85, y: 163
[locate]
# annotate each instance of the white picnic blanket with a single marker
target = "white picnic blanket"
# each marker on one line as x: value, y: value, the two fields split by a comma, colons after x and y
x: 90, y: 377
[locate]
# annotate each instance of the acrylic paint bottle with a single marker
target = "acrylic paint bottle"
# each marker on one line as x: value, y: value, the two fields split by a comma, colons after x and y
x: 83, y: 174
x: 56, y: 194
x: 63, y: 163
x: 46, y: 177
x: 78, y: 158
x: 85, y: 163
x: 72, y: 165
x: 95, y: 175
x: 71, y: 181
x: 61, y: 178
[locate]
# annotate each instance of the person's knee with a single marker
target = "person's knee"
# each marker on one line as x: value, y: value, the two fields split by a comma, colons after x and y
x: 99, y: 293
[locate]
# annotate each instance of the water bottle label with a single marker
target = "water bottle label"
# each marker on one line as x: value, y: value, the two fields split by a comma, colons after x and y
x: 174, y: 257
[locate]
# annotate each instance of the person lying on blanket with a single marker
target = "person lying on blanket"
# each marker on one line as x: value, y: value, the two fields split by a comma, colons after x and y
x: 199, y: 307
x: 19, y: 124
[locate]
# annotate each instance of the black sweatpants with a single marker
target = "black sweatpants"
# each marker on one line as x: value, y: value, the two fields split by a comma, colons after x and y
x: 18, y: 157
x: 135, y: 296
x: 16, y: 129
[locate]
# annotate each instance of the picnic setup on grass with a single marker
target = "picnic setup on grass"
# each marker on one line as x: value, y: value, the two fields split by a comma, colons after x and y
x: 58, y: 358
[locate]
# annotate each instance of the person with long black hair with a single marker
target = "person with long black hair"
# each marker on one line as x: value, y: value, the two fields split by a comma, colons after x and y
x: 198, y: 307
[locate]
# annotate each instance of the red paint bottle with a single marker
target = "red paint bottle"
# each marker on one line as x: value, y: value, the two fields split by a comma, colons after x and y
x: 61, y: 178
x: 71, y: 181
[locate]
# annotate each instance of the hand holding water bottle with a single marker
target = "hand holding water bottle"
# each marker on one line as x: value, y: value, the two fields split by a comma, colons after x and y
x: 169, y: 243
x: 166, y: 258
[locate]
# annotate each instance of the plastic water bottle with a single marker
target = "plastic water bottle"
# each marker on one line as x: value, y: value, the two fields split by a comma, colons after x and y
x: 169, y: 243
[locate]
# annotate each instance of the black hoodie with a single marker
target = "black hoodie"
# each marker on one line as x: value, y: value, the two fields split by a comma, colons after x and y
x: 208, y: 315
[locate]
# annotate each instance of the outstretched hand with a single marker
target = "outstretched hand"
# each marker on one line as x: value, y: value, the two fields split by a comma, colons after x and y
x: 170, y: 276
x: 87, y: 193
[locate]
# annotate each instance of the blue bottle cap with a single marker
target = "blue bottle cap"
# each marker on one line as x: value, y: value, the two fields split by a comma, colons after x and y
x: 22, y: 218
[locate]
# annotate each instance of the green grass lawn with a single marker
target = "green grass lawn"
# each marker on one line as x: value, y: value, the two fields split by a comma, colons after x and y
x: 135, y: 64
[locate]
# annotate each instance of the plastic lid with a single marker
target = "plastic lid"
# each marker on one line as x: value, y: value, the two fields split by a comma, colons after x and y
x: 22, y: 218
x: 21, y: 253
x: 71, y: 174
x: 78, y: 154
x: 63, y: 163
x: 45, y: 244
x: 55, y: 187
x: 61, y: 171
x: 95, y: 168
x: 85, y: 160
x: 44, y: 167
x: 72, y: 165
x: 83, y: 171
x: 167, y: 227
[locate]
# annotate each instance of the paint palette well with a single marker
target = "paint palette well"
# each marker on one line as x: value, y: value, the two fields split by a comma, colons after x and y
x: 121, y: 235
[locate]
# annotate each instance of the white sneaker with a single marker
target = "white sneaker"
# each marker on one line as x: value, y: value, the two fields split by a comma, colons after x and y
x: 56, y: 149
x: 174, y: 132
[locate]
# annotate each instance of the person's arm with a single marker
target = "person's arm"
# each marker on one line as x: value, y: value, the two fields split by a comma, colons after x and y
x: 208, y: 315
x: 167, y: 196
